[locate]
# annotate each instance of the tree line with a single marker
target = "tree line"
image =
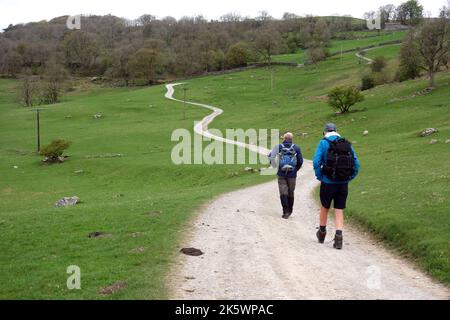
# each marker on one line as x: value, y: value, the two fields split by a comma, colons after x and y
x: 148, y: 49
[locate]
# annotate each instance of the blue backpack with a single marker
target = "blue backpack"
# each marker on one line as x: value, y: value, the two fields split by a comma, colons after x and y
x: 288, y: 158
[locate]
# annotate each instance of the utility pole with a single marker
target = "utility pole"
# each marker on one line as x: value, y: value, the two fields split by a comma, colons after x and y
x: 271, y: 79
x: 184, y: 102
x: 38, y: 130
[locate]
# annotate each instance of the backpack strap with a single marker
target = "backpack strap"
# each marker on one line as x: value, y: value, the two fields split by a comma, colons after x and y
x: 293, y: 148
x: 332, y: 141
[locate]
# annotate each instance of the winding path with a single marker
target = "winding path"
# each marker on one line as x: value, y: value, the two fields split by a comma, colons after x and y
x: 360, y: 56
x: 251, y: 253
x: 201, y: 127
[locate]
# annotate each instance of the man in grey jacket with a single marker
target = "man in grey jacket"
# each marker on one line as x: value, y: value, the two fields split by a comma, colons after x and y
x: 288, y: 157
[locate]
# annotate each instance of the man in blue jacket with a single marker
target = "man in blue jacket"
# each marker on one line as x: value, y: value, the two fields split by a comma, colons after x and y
x: 332, y: 189
x: 290, y: 160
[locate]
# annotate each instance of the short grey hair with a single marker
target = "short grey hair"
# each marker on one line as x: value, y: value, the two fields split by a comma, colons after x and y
x: 288, y: 136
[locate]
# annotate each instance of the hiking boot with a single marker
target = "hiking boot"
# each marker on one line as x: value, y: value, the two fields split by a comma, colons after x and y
x: 321, y: 236
x: 286, y: 215
x: 338, y: 242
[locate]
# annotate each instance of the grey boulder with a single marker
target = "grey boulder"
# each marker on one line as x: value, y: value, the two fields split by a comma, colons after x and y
x: 67, y: 201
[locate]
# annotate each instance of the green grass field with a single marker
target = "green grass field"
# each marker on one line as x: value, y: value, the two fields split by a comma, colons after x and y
x: 144, y: 201
x: 140, y: 198
x: 337, y: 45
x: 389, y: 52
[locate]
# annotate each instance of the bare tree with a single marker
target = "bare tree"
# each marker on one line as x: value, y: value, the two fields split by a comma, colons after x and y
x: 267, y: 43
x: 445, y: 11
x: 81, y: 48
x: 28, y: 91
x: 290, y: 16
x: 52, y: 83
x: 387, y: 12
x: 370, y: 15
x: 120, y: 67
x: 231, y: 17
x: 315, y: 54
x: 434, y: 46
x: 264, y: 16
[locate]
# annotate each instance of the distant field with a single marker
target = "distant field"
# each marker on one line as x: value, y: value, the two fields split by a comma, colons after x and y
x: 389, y: 52
x: 298, y: 57
x: 362, y: 34
x: 338, y: 45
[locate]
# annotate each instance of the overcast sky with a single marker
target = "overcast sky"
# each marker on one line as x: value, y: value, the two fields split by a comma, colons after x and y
x: 21, y: 11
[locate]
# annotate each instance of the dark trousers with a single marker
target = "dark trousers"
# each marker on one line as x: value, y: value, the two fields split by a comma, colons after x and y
x: 286, y: 187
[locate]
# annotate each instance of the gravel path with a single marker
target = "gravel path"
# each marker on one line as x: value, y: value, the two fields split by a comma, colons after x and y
x: 251, y: 253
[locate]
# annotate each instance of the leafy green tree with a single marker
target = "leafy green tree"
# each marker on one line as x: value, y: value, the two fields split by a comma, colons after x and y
x: 410, y: 59
x: 291, y: 42
x: 238, y: 55
x: 146, y: 63
x: 410, y: 13
x: 215, y: 60
x: 343, y: 98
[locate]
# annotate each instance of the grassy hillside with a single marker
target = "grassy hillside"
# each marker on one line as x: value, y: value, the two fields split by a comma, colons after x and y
x: 143, y: 201
x: 140, y: 199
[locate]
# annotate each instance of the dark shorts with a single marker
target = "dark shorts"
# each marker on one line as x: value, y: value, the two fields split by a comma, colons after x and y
x: 333, y: 192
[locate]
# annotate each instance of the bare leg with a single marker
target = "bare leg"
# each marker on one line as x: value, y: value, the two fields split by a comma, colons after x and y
x: 323, y: 216
x: 339, y: 218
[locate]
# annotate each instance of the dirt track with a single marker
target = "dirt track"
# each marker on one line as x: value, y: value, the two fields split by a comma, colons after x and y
x: 251, y: 253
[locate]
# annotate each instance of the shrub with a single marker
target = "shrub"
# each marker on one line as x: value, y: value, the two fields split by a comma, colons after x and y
x: 382, y: 77
x: 51, y: 86
x: 367, y: 82
x: 316, y: 54
x: 29, y: 88
x: 410, y: 59
x: 343, y: 98
x: 378, y: 64
x: 53, y: 152
x: 237, y: 56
